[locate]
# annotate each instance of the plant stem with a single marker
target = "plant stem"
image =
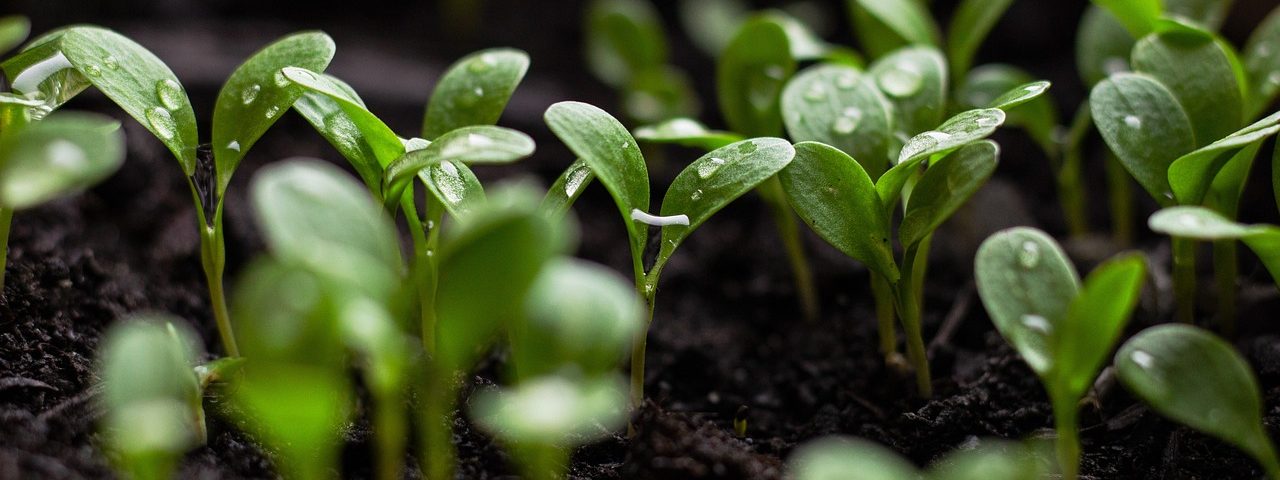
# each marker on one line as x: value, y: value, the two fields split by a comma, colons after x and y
x: 6, y: 219
x: 1184, y: 279
x: 213, y: 258
x: 542, y: 462
x: 639, y: 343
x: 776, y: 199
x: 389, y: 417
x: 1068, y: 442
x: 437, y: 435
x: 1121, y: 195
x: 1069, y: 173
x: 885, y: 315
x: 1225, y: 269
x: 425, y: 243
x: 909, y: 313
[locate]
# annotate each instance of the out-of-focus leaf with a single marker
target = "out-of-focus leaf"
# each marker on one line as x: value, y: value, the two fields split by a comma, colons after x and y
x: 750, y: 76
x: 13, y: 30
x: 62, y: 154
x: 885, y: 25
x: 1102, y: 46
x: 1139, y: 16
x: 1262, y: 62
x: 624, y: 37
x: 1203, y: 224
x: 970, y: 24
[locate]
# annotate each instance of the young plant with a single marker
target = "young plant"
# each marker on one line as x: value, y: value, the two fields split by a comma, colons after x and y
x: 1197, y: 379
x: 843, y: 457
x: 55, y: 157
x: 151, y: 396
x: 627, y: 50
x: 707, y: 185
x: 1062, y: 329
x: 60, y: 64
x: 1199, y: 223
x: 1171, y: 124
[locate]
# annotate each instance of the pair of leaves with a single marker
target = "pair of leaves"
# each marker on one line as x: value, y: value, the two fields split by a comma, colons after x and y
x: 845, y: 457
x: 62, y: 154
x: 1035, y: 299
x: 1203, y: 224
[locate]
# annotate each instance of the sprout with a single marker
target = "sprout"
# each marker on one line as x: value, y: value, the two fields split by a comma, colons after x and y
x: 1062, y: 329
x: 855, y: 458
x: 1197, y: 379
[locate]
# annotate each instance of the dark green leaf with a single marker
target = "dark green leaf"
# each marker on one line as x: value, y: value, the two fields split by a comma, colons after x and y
x: 750, y: 76
x: 1262, y: 62
x: 474, y: 91
x: 915, y: 81
x: 1103, y: 46
x: 686, y: 132
x: 1209, y: 13
x: 13, y: 30
x: 1094, y: 322
x: 1020, y: 95
x: 1003, y: 86
x: 840, y: 106
x: 805, y: 44
x: 257, y: 93
x: 907, y: 20
x: 454, y: 186
x: 834, y: 195
x: 970, y: 24
x: 1145, y: 126
x: 477, y: 144
x: 718, y: 178
x: 606, y: 146
x: 567, y: 188
x: 1203, y: 224
x: 1027, y: 285
x: 1199, y: 380
x: 958, y: 131
x: 340, y: 116
x: 60, y: 155
x: 1139, y: 16
x: 624, y: 37
x: 944, y: 189
x: 1191, y: 175
x: 1198, y: 71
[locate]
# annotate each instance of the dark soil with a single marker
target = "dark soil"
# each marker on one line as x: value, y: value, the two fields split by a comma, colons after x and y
x: 727, y: 332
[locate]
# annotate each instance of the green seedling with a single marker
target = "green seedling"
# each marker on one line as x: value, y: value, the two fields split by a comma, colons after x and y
x: 1199, y: 223
x: 63, y: 63
x: 1062, y: 329
x: 707, y: 185
x: 151, y: 396
x: 1197, y: 379
x: 627, y: 50
x: 55, y: 157
x: 855, y: 458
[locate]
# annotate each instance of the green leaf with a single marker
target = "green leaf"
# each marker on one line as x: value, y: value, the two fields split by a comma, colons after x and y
x: 313, y: 214
x: 1013, y: 90
x: 257, y: 93
x: 474, y: 91
x: 1027, y: 285
x: 340, y: 116
x: 1198, y: 71
x: 833, y: 194
x: 1139, y: 16
x: 915, y: 81
x: 958, y: 131
x: 567, y: 188
x: 710, y: 24
x: 1203, y: 224
x: 944, y: 188
x: 805, y: 44
x: 1262, y: 62
x: 478, y: 144
x: 908, y: 21
x: 299, y: 411
x: 587, y: 410
x: 624, y: 37
x: 605, y: 145
x: 750, y: 76
x: 63, y: 154
x: 686, y: 132
x: 138, y: 82
x: 840, y: 106
x: 1102, y: 46
x: 1197, y: 379
x: 13, y: 30
x: 992, y: 460
x: 454, y: 186
x: 970, y: 24
x: 846, y: 457
x: 718, y: 178
x: 1191, y: 175
x: 579, y: 320
x: 660, y: 93
x: 1145, y: 126
x: 285, y: 312
x: 1094, y: 322
x: 1019, y: 95
x: 40, y: 71
x: 1209, y: 13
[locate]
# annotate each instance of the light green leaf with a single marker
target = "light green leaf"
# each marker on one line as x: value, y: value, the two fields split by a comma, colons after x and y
x: 340, y: 116
x: 686, y: 132
x: 624, y: 37
x: 257, y: 93
x: 478, y: 144
x: 958, y: 131
x: 915, y: 81
x: 1203, y: 224
x: 1102, y: 46
x: 750, y: 75
x: 1145, y: 126
x: 1007, y: 87
x: 1191, y: 175
x: 1198, y: 71
x: 1209, y: 13
x: 587, y: 410
x: 299, y: 410
x: 805, y: 44
x: 908, y: 23
x: 970, y: 24
x: 1139, y: 16
x: 711, y: 24
x: 1019, y: 95
x: 605, y: 145
x: 474, y: 91
x: 846, y: 457
x: 13, y: 30
x: 1094, y: 322
x: 840, y: 106
x: 833, y: 194
x: 992, y: 460
x: 285, y: 312
x: 63, y: 154
x: 1262, y: 62
x: 42, y: 72
x: 945, y: 187
x: 718, y: 178
x: 1027, y: 285
x: 454, y: 186
x: 1197, y: 379
x: 567, y: 188
x: 660, y: 93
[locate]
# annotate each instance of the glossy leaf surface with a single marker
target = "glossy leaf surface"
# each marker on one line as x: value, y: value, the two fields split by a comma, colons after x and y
x: 474, y: 91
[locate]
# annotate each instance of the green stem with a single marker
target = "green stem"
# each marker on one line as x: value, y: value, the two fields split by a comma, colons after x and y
x: 6, y: 219
x: 1068, y: 443
x: 1225, y: 270
x: 789, y: 230
x: 1120, y: 189
x: 390, y: 420
x: 213, y: 250
x: 638, y: 345
x: 436, y: 422
x: 1184, y: 279
x: 1069, y: 174
x: 885, y: 314
x: 909, y: 313
x: 542, y: 462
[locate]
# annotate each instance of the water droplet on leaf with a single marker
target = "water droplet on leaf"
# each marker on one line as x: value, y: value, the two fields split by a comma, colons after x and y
x: 170, y: 94
x: 708, y: 167
x: 250, y: 94
x: 901, y: 80
x: 1029, y: 256
x: 696, y: 195
x: 234, y: 145
x: 161, y: 123
x: 1133, y: 121
x: 847, y: 81
x: 272, y: 112
x: 92, y: 70
x: 1037, y: 324
x: 448, y: 182
x: 66, y: 155
x: 111, y: 63
x: 574, y: 182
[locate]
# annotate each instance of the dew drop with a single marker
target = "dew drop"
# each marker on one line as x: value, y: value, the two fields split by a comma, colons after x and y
x: 626, y: 145
x: 479, y: 91
x: 1133, y: 121
x: 1143, y: 359
x: 234, y: 145
x: 250, y: 94
x: 272, y: 112
x: 1274, y: 78
x: 844, y: 125
x: 708, y: 167
x: 481, y: 64
x: 815, y: 93
x: 111, y: 63
x: 448, y: 181
x: 478, y: 140
x: 281, y: 80
x: 1029, y: 256
x: 901, y: 80
x: 696, y: 195
x: 169, y: 93
x: 1037, y: 324
x: 92, y: 70
x: 574, y: 182
x: 161, y: 122
x: 847, y: 81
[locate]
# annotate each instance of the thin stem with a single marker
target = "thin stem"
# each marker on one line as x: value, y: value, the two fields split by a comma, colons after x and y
x: 389, y: 417
x: 1184, y: 279
x: 542, y: 461
x: 1120, y: 187
x: 1225, y: 270
x: 436, y: 421
x: 6, y: 219
x: 1069, y: 174
x: 1068, y: 442
x: 909, y: 313
x: 885, y: 314
x: 788, y: 229
x: 638, y: 345
x: 213, y: 258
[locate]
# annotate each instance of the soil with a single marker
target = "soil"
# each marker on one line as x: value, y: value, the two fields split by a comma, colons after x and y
x: 727, y: 332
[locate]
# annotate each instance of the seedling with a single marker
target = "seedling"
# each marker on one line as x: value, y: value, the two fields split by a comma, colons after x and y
x: 1198, y: 380
x: 707, y: 185
x: 844, y: 457
x: 62, y: 63
x: 151, y: 396
x: 627, y: 49
x: 1062, y: 329
x: 1199, y: 223
x: 52, y: 158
